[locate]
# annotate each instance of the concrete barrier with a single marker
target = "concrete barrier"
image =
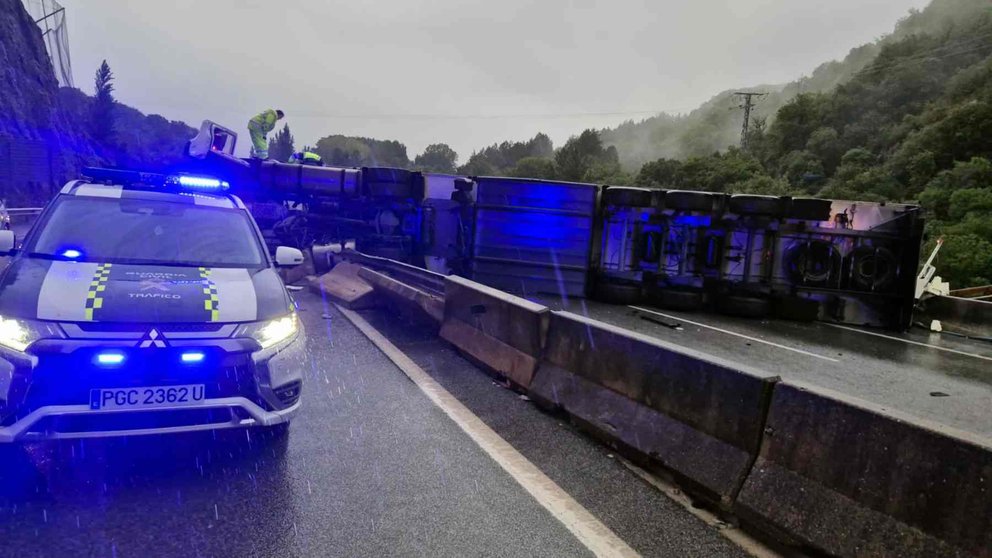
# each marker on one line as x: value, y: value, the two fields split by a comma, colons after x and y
x: 697, y: 415
x: 966, y: 316
x: 853, y: 479
x: 421, y: 305
x: 343, y: 286
x: 502, y: 332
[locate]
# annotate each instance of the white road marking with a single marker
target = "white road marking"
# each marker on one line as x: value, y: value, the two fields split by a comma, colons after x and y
x: 598, y: 538
x: 938, y: 347
x: 734, y: 333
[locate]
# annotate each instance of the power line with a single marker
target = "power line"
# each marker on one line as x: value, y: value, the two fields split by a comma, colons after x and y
x: 428, y: 116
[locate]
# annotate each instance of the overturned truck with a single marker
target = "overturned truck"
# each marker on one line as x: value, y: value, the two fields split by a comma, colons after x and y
x: 748, y: 255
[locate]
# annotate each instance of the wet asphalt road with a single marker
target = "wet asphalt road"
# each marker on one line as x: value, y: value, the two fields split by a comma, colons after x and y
x: 370, y: 468
x: 949, y: 388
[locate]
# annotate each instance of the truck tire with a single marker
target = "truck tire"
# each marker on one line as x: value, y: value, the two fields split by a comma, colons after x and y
x: 796, y: 308
x: 873, y: 269
x: 813, y: 263
x: 617, y: 293
x: 683, y: 200
x: 809, y: 209
x: 744, y: 306
x: 627, y: 197
x: 746, y: 204
x: 678, y: 299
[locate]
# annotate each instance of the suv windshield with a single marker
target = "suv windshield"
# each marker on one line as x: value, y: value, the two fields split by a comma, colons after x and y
x: 146, y: 231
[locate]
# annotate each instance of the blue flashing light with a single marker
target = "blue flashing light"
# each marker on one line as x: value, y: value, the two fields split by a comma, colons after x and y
x: 72, y: 254
x: 192, y: 357
x: 201, y: 183
x: 110, y: 359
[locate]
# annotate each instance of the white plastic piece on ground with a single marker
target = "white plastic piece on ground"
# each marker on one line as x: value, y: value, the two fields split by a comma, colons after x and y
x: 935, y: 326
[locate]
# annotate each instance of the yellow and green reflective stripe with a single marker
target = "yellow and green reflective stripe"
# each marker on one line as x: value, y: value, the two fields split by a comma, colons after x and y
x: 212, y: 302
x: 94, y: 295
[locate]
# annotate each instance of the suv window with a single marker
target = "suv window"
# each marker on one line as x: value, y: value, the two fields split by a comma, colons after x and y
x: 146, y: 231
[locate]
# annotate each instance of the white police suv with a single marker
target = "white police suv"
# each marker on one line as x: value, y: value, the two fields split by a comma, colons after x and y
x: 145, y: 304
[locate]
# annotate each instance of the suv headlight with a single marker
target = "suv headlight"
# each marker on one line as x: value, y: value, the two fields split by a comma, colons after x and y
x: 19, y: 334
x: 271, y: 332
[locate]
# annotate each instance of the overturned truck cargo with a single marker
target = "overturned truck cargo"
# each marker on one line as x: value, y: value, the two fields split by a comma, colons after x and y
x: 755, y: 256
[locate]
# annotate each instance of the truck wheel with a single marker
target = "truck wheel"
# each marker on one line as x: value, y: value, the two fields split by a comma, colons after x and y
x: 615, y: 293
x: 682, y: 200
x: 812, y: 263
x: 744, y: 306
x: 678, y: 299
x: 745, y: 204
x: 796, y: 308
x: 873, y: 269
x: 627, y: 197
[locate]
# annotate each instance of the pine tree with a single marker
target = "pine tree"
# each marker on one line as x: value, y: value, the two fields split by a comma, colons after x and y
x: 103, y: 105
x: 281, y: 147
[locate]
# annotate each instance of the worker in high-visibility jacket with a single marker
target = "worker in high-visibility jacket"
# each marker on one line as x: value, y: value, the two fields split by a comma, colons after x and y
x: 258, y: 128
x: 306, y: 158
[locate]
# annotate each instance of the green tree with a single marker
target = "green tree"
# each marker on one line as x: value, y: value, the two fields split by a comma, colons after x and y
x: 801, y: 168
x: 715, y: 173
x: 437, y: 157
x: 362, y: 152
x: 965, y: 260
x: 663, y: 173
x: 796, y: 121
x: 281, y: 147
x: 534, y: 167
x: 502, y: 157
x: 103, y: 117
x: 825, y: 145
x: 478, y: 166
x: 580, y: 153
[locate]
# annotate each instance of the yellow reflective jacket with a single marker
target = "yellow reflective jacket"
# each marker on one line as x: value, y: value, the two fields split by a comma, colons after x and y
x: 265, y: 121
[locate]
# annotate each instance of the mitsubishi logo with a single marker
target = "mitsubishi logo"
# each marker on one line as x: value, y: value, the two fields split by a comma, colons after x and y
x: 153, y: 339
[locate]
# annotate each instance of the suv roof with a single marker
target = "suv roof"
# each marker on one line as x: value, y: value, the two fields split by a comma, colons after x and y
x: 89, y: 189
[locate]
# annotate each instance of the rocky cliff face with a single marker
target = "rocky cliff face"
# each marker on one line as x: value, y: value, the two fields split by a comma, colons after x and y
x: 44, y: 131
x: 28, y: 100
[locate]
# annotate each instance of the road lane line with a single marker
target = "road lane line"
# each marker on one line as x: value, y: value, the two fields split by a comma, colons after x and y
x: 741, y: 335
x: 598, y: 538
x: 938, y: 347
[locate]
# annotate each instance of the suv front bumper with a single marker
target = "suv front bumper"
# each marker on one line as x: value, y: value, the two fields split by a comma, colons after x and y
x: 44, y: 395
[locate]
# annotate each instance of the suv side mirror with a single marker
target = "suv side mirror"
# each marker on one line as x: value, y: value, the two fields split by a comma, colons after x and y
x: 7, y: 242
x: 288, y: 257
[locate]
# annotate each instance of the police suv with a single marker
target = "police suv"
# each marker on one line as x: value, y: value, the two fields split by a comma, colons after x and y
x: 145, y: 304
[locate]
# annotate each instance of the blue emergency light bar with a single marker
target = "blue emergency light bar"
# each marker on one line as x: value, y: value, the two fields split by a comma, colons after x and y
x: 199, y: 183
x: 147, y: 180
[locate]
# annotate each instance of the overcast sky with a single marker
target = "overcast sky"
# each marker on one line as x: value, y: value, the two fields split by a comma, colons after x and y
x: 467, y: 73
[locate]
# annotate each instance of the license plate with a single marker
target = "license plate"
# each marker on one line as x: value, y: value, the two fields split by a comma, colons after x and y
x: 147, y: 397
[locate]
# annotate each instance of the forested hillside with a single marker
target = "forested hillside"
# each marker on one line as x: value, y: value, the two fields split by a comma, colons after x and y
x: 715, y: 125
x: 914, y: 124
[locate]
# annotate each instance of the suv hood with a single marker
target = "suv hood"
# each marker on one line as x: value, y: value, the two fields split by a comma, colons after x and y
x: 84, y: 292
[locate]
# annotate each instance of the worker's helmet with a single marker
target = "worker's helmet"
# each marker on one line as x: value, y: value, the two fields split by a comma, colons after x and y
x: 280, y: 113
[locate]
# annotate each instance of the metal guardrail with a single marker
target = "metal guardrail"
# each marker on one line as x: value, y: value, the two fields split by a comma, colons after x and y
x: 416, y: 276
